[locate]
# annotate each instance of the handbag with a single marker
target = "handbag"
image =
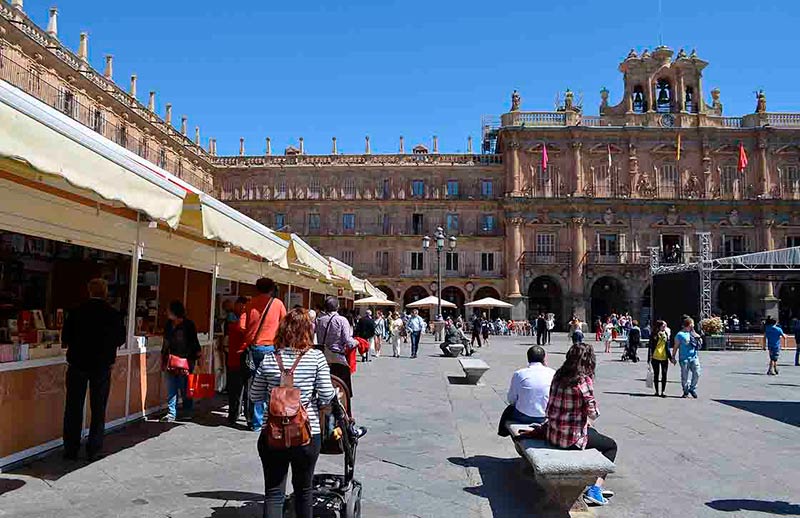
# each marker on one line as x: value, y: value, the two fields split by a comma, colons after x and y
x: 648, y: 380
x: 177, y: 365
x: 200, y: 386
x: 249, y: 358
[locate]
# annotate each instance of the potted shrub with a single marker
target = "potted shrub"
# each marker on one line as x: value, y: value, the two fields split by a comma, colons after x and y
x: 712, y: 329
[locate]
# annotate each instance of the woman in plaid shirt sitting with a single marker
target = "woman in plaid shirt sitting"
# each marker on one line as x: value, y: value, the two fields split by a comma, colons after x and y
x: 572, y: 408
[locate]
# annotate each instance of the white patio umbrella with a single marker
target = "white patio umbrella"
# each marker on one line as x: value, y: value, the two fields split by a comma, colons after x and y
x: 374, y: 301
x: 430, y: 302
x: 489, y: 302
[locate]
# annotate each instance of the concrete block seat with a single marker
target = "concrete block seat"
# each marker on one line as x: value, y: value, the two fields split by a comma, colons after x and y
x: 473, y: 369
x: 562, y: 475
x: 453, y: 350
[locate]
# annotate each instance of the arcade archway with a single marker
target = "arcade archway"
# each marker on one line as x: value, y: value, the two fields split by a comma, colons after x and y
x: 607, y: 297
x: 789, y: 307
x: 732, y: 299
x: 457, y: 297
x: 388, y: 291
x: 488, y: 291
x: 413, y: 294
x: 545, y: 296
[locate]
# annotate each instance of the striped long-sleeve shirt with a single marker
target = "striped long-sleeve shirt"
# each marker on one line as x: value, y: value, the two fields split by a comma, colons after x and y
x: 312, y: 376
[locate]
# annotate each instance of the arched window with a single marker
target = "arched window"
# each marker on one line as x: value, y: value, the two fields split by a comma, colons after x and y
x: 603, y: 181
x: 639, y: 104
x: 729, y: 181
x: 689, y: 103
x: 663, y: 96
x: 314, y: 188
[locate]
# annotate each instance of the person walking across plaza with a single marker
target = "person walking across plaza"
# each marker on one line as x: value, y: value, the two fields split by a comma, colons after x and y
x: 335, y: 339
x: 235, y: 362
x: 575, y: 330
x: 608, y: 335
x: 92, y: 333
x: 380, y: 332
x: 551, y: 324
x: 572, y: 408
x: 634, y: 340
x: 259, y: 321
x: 486, y: 326
x: 688, y: 343
x: 659, y: 356
x: 541, y: 330
x: 180, y: 340
x: 476, y: 331
x: 294, y: 351
x: 365, y: 328
x: 396, y: 330
x: 773, y: 335
x: 529, y: 390
x: 415, y: 327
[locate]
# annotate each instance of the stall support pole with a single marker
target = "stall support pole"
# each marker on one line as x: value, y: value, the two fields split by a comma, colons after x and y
x: 133, y: 282
x: 213, y: 312
x: 288, y: 300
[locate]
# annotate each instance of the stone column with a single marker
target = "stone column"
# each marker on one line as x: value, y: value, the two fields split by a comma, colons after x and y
x: 513, y: 183
x: 764, y: 183
x: 513, y: 252
x: 576, y: 271
x: 769, y: 302
x: 577, y: 161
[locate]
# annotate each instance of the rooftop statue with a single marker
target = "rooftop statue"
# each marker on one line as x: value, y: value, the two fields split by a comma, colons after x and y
x: 716, y: 104
x: 516, y: 101
x: 761, y: 102
x: 632, y: 54
x: 681, y: 54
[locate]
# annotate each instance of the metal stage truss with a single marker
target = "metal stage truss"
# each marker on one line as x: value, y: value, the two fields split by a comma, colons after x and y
x: 769, y: 265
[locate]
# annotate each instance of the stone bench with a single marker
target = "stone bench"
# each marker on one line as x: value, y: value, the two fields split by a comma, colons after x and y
x: 452, y: 350
x: 562, y: 475
x: 473, y: 369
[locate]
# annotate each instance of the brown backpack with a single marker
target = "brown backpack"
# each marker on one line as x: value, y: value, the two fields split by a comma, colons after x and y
x: 287, y: 423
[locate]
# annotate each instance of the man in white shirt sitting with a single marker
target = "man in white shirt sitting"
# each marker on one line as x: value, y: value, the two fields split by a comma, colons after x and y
x: 530, y: 390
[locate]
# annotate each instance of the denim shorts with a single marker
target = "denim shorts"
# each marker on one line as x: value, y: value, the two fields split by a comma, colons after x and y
x: 774, y: 352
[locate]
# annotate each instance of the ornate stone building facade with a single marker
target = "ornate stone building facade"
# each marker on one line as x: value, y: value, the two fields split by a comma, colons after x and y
x: 573, y: 237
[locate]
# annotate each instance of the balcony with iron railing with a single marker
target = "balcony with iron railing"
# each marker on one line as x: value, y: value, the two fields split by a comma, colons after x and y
x: 70, y: 104
x: 546, y: 257
x: 628, y: 258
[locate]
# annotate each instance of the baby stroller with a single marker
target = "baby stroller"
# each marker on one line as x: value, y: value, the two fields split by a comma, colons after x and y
x: 631, y: 345
x: 337, y: 496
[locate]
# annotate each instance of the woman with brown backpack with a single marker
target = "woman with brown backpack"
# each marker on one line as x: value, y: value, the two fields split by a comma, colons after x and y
x: 294, y: 381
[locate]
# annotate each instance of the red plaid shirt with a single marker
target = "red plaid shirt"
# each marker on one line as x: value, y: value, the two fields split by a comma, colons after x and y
x: 568, y: 412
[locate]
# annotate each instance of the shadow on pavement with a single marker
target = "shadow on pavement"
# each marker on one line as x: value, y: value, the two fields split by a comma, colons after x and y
x: 784, y: 411
x: 640, y: 394
x: 762, y: 506
x: 457, y: 380
x: 252, y: 503
x: 791, y: 385
x: 510, y: 491
x: 10, y: 484
x: 52, y: 466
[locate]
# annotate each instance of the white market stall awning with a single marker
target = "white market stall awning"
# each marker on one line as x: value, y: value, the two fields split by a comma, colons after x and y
x: 372, y: 291
x: 221, y: 223
x: 52, y: 147
x: 488, y: 302
x: 303, y: 257
x: 358, y: 285
x: 374, y: 301
x: 430, y: 302
x: 340, y: 271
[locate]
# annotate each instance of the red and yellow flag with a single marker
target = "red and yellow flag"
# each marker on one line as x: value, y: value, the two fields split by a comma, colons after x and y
x: 678, y: 148
x: 545, y: 158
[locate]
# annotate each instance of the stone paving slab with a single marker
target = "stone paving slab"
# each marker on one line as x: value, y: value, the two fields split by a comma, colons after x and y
x: 432, y: 448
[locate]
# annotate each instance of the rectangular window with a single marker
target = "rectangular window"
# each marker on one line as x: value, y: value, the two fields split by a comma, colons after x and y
x: 416, y: 261
x: 545, y: 246
x: 313, y: 222
x: 386, y: 224
x: 668, y: 181
x: 281, y: 188
x: 348, y: 222
x: 349, y: 188
x: 68, y: 103
x: 387, y: 190
x: 144, y: 148
x: 347, y: 257
x: 792, y: 241
x: 417, y: 225
x: 162, y: 158
x: 488, y: 223
x: 733, y: 245
x: 487, y: 261
x: 728, y: 181
x: 608, y: 244
x: 280, y: 221
x: 452, y: 223
x: 97, y: 120
x: 418, y: 189
x: 313, y: 188
x: 451, y: 261
x: 452, y: 188
x: 382, y: 262
x: 487, y: 188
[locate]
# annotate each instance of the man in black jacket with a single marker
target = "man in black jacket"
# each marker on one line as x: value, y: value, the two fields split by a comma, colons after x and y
x: 92, y: 333
x: 541, y: 330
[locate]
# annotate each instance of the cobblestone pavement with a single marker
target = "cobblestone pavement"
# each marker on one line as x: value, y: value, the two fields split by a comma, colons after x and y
x: 432, y: 448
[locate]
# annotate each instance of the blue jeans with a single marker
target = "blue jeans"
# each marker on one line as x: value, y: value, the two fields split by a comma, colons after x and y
x: 255, y: 411
x: 797, y: 350
x: 520, y: 418
x: 415, y: 335
x: 690, y: 366
x: 176, y: 383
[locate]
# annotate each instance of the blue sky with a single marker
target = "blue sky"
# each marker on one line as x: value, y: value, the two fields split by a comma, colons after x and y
x: 254, y: 69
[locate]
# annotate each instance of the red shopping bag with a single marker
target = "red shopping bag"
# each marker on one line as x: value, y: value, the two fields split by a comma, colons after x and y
x: 200, y: 386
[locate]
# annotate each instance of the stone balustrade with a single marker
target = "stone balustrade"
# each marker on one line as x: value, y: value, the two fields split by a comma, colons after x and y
x: 361, y: 160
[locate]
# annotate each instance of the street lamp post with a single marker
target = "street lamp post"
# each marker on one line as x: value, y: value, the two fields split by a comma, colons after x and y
x: 440, y: 238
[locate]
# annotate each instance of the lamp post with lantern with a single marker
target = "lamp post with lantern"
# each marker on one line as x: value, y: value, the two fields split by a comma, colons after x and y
x: 440, y: 238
